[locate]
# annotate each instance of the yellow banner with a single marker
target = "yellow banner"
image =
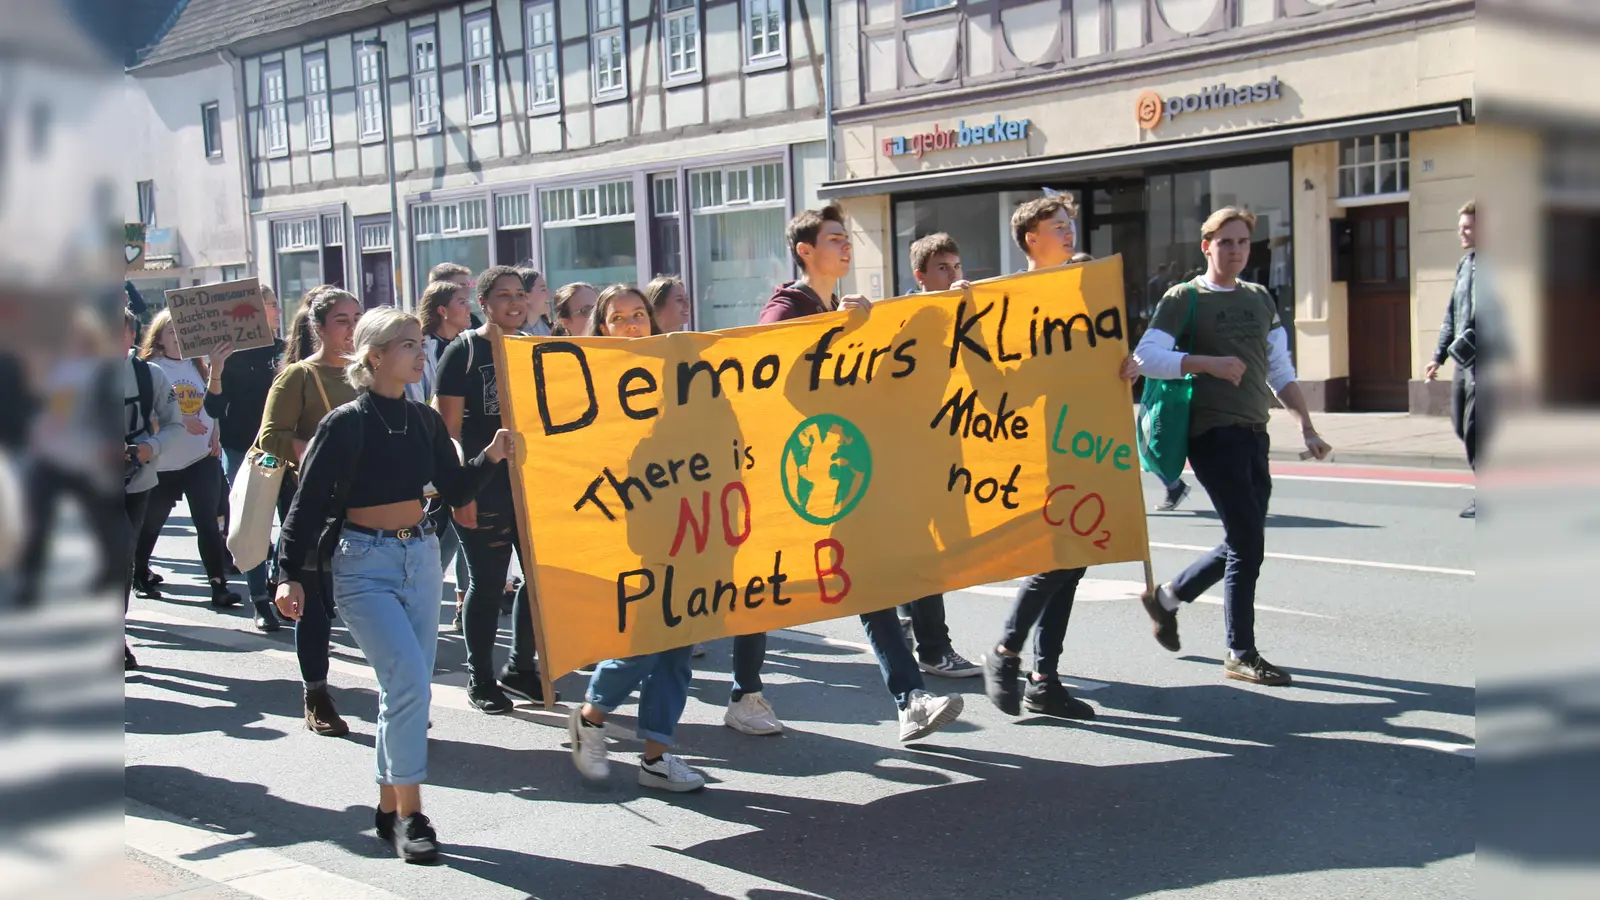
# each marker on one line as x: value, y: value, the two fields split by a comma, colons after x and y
x: 688, y: 487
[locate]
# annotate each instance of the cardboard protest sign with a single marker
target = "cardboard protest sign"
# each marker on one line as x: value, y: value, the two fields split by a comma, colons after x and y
x: 209, y: 314
x: 687, y: 487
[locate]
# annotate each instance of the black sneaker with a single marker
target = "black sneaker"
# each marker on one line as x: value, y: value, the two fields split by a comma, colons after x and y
x: 524, y: 684
x: 1000, y: 674
x: 1164, y: 621
x: 266, y: 620
x: 1175, y: 497
x: 414, y: 839
x: 1050, y: 698
x: 1254, y: 668
x: 489, y: 698
x: 222, y: 598
x: 148, y: 585
x: 384, y: 822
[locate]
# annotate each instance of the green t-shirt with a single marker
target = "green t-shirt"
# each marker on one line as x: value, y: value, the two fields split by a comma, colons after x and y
x: 1226, y: 323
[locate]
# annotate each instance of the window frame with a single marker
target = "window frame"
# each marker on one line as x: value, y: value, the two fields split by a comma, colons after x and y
x: 482, y: 87
x: 689, y: 12
x: 365, y: 93
x: 906, y: 10
x: 550, y: 49
x: 146, y: 193
x: 769, y: 58
x: 274, y: 113
x: 434, y: 110
x: 1401, y: 141
x: 211, y: 113
x: 617, y: 32
x: 313, y: 118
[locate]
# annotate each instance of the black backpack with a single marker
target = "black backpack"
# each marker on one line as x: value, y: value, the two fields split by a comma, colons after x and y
x: 146, y: 401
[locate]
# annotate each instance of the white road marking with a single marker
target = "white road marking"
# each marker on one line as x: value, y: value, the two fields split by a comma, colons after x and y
x: 1469, y: 750
x: 1106, y: 590
x: 1385, y: 482
x: 1359, y: 563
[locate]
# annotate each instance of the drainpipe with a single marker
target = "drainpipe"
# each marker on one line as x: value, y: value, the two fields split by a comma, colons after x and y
x: 827, y: 79
x: 241, y: 118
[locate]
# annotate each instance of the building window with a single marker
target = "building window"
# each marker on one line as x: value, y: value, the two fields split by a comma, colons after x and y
x: 1375, y: 166
x: 681, y: 25
x: 916, y: 6
x: 666, y: 225
x: 610, y: 50
x: 456, y: 232
x: 233, y: 273
x: 588, y: 234
x: 277, y: 116
x: 297, y: 251
x: 319, y: 127
x: 763, y: 31
x: 370, y: 87
x: 211, y: 126
x: 147, y: 203
x: 480, y: 69
x: 513, y: 222
x: 425, y: 81
x: 737, y: 220
x: 544, y: 79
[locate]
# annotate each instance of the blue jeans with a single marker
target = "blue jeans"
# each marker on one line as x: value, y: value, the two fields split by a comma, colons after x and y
x: 899, y: 667
x: 928, y: 627
x: 1045, y: 600
x: 256, y: 578
x: 663, y: 682
x: 387, y: 591
x: 449, y: 543
x: 1230, y: 462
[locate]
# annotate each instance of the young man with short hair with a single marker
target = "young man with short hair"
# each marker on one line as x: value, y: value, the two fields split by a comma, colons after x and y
x: 820, y: 245
x: 1460, y: 328
x: 1240, y: 350
x: 1046, y: 231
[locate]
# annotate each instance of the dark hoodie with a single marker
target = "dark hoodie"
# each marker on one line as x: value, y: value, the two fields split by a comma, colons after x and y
x: 795, y: 301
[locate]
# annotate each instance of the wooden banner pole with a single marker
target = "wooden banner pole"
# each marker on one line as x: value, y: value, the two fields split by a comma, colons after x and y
x: 530, y: 567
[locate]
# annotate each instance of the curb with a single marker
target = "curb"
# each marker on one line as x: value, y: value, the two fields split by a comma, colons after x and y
x: 1379, y: 458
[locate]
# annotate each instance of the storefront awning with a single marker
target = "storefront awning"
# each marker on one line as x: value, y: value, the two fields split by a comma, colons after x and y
x: 1235, y: 144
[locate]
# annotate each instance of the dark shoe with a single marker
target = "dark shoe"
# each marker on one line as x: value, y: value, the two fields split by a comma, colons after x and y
x: 1165, y: 621
x: 129, y: 664
x: 1050, y: 698
x: 1471, y: 512
x: 1254, y: 668
x: 222, y: 598
x: 415, y: 841
x: 1175, y: 496
x: 1000, y: 681
x: 148, y: 585
x: 384, y: 822
x: 489, y: 699
x: 322, y: 717
x: 455, y: 623
x: 266, y: 619
x: 524, y: 684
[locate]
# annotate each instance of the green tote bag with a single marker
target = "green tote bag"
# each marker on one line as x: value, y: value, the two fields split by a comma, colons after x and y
x: 1164, y: 414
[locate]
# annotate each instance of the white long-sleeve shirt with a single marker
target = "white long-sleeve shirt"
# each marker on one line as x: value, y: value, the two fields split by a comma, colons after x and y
x: 1158, y: 356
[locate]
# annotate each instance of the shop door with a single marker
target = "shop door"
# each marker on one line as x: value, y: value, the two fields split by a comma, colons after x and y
x: 1572, y: 267
x: 377, y: 280
x: 1115, y: 222
x: 1380, y: 309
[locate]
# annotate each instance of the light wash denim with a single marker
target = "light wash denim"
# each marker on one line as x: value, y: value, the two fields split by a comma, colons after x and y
x: 387, y: 593
x: 663, y: 682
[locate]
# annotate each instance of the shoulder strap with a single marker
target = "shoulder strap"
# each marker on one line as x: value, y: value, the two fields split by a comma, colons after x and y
x: 316, y: 379
x: 1186, y: 337
x: 147, y: 395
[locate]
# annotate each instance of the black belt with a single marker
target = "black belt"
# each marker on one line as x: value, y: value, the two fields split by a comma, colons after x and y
x: 404, y: 534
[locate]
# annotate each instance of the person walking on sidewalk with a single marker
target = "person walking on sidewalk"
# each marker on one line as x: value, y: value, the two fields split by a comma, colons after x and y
x: 1458, y: 340
x: 307, y: 389
x: 1242, y: 351
x: 360, y: 496
x: 446, y: 312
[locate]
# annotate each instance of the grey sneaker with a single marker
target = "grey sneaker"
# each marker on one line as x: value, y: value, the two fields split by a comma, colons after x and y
x: 1175, y: 497
x: 951, y: 665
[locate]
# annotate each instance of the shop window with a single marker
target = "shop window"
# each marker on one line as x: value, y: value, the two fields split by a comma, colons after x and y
x: 916, y: 6
x: 587, y: 234
x: 513, y: 238
x: 455, y: 232
x: 1375, y: 166
x: 666, y: 226
x: 739, y: 251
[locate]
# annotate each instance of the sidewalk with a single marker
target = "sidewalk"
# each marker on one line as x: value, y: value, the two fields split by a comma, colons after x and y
x: 1373, y: 439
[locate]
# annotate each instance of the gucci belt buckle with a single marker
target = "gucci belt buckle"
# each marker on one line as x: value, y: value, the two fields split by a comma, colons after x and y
x: 406, y: 534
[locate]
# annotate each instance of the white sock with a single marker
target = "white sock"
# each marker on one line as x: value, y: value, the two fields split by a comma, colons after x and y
x: 1167, y: 599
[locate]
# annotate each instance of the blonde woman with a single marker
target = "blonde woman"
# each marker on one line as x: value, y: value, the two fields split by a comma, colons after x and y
x: 365, y: 471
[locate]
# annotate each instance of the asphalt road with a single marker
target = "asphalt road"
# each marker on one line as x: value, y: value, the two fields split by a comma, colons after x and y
x: 1356, y: 782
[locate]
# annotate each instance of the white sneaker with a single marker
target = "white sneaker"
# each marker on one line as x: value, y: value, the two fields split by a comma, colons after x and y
x: 927, y: 713
x: 588, y: 747
x: 670, y: 773
x: 752, y: 714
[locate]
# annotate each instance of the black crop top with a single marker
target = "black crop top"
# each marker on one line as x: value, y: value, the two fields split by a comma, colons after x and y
x: 376, y: 450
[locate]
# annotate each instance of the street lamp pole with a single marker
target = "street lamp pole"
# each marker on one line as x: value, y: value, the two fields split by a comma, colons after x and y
x: 402, y: 299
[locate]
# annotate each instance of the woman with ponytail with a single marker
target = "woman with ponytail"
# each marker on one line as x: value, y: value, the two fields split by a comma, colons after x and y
x: 310, y: 387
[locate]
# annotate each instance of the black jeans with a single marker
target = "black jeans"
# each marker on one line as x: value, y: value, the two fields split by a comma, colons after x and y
x: 1230, y: 462
x: 135, y: 506
x: 488, y: 549
x: 1045, y: 600
x: 928, y: 627
x: 1464, y: 411
x: 201, y: 483
x: 314, y: 630
x: 106, y: 519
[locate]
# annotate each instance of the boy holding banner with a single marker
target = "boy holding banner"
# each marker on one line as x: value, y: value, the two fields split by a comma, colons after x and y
x: 820, y: 245
x: 1047, y: 233
x: 1242, y: 350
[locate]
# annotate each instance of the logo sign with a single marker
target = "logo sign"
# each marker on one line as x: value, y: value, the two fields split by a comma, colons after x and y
x: 1151, y: 110
x: 999, y: 131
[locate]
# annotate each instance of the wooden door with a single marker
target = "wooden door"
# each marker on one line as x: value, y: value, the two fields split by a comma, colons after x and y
x: 1380, y: 308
